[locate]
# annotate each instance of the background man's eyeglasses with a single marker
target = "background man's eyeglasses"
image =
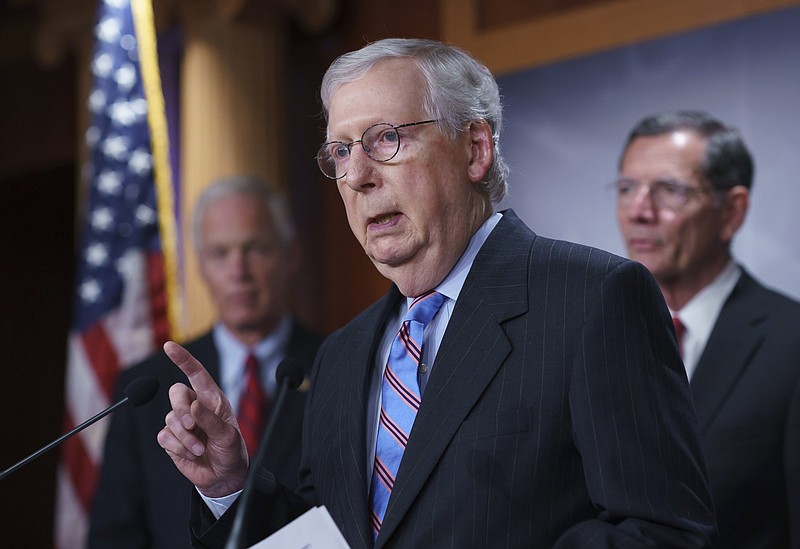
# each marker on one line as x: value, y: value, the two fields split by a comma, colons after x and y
x: 667, y: 193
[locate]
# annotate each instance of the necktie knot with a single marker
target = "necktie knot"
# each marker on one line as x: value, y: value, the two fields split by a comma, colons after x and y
x: 406, y: 351
x: 424, y: 308
x: 251, y: 366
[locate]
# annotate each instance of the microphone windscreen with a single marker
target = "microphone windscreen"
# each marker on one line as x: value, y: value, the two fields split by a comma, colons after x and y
x: 292, y: 370
x: 141, y: 390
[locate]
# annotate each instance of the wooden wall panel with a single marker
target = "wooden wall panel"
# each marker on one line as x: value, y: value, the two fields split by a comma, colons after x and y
x: 583, y: 30
x: 231, y: 123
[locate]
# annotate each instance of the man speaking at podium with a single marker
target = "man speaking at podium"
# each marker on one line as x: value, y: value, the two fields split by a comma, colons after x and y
x: 509, y: 391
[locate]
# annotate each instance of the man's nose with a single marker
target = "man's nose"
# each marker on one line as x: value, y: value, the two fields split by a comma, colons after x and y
x: 360, y: 169
x: 642, y: 205
x: 238, y: 263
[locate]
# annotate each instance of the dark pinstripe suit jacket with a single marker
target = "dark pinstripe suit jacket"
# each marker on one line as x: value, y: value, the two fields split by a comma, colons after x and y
x: 142, y: 500
x: 557, y: 415
x: 746, y: 390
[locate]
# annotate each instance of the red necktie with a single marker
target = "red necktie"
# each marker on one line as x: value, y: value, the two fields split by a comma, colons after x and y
x: 680, y: 330
x: 252, y: 406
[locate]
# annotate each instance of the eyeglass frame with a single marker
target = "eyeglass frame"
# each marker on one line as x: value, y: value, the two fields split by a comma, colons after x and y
x: 349, y: 146
x: 685, y: 188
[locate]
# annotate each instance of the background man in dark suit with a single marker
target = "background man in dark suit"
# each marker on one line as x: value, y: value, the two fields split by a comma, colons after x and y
x: 682, y: 194
x: 247, y: 254
x: 552, y: 409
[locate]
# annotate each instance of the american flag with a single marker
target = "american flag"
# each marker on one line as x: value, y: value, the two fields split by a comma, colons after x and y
x: 120, y: 304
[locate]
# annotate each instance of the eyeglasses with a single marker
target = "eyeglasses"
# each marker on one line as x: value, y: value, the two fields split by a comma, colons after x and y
x: 665, y: 193
x: 380, y: 142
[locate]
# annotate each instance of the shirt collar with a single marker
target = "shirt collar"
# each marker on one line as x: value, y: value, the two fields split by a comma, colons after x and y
x: 700, y: 313
x: 232, y: 352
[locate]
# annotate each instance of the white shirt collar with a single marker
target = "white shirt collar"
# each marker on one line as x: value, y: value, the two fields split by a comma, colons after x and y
x: 232, y: 355
x: 700, y: 314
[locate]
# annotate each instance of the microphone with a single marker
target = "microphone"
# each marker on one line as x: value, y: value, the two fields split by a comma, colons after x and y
x: 139, y: 391
x: 289, y: 376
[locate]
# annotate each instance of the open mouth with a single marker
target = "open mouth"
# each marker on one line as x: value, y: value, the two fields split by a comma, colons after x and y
x: 383, y: 219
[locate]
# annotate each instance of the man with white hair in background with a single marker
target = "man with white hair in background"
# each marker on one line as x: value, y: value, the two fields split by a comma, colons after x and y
x: 248, y: 255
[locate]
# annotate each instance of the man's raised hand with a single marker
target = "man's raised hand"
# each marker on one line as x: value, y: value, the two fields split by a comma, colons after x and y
x: 201, y: 434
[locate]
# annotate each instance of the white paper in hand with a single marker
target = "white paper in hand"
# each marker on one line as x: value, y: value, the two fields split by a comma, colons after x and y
x: 314, y: 529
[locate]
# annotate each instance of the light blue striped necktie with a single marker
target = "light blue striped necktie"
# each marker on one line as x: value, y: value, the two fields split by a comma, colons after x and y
x: 400, y: 399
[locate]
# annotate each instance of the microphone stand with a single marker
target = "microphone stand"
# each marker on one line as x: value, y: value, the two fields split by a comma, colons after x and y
x: 239, y: 522
x: 62, y: 438
x: 138, y: 392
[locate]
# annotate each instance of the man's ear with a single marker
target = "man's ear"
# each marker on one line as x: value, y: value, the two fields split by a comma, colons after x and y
x: 734, y: 211
x: 481, y: 150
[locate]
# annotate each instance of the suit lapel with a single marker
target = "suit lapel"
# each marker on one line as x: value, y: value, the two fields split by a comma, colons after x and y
x: 473, y: 348
x: 736, y: 336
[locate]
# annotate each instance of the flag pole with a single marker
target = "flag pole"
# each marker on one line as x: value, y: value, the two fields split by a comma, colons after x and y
x: 143, y: 21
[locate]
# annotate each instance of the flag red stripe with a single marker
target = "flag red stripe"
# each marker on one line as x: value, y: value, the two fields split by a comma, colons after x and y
x: 157, y: 290
x: 102, y: 356
x: 82, y: 471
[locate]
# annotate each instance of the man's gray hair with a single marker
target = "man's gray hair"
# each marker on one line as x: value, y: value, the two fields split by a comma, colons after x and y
x: 458, y: 90
x: 256, y: 188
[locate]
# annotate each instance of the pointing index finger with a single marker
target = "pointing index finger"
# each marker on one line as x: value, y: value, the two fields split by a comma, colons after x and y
x: 199, y: 378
